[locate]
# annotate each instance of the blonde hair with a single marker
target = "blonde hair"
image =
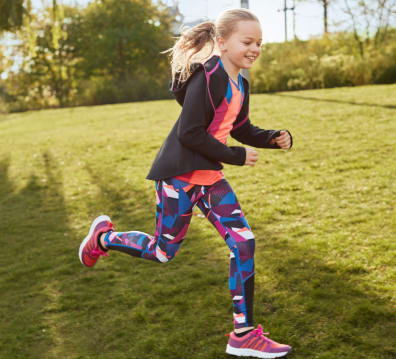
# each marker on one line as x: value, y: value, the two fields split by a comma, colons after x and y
x: 197, y: 44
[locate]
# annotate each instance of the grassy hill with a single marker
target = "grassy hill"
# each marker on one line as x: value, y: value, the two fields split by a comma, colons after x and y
x: 322, y: 213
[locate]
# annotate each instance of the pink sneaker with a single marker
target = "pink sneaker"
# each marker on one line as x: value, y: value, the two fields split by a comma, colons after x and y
x: 255, y: 344
x: 89, y: 249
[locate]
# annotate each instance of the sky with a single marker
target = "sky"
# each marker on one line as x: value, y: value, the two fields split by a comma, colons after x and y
x: 309, y: 15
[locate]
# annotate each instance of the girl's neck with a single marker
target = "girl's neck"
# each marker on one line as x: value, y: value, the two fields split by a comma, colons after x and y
x: 230, y: 68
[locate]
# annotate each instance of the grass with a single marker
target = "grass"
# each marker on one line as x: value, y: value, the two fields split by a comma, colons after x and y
x: 323, y: 216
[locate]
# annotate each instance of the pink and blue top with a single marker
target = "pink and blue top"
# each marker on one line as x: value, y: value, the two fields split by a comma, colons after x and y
x: 220, y: 128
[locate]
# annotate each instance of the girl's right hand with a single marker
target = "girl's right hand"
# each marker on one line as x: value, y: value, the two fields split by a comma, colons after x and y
x: 251, y: 156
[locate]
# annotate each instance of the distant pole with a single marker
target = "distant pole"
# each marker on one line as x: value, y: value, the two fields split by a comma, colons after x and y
x: 325, y: 4
x: 294, y: 19
x: 245, y: 5
x: 285, y: 10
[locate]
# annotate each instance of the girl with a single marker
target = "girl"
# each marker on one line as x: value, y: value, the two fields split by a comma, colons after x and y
x: 187, y: 169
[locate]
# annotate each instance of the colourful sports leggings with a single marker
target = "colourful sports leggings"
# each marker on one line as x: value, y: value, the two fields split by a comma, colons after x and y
x: 175, y: 202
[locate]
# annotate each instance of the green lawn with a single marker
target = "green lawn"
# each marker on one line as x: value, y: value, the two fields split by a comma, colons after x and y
x: 323, y: 217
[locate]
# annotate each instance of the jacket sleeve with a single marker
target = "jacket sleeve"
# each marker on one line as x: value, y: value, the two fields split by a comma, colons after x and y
x: 191, y: 130
x: 251, y: 135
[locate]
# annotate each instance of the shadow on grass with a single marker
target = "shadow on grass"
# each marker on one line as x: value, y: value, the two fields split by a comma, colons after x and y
x: 34, y: 230
x: 128, y: 207
x: 308, y: 98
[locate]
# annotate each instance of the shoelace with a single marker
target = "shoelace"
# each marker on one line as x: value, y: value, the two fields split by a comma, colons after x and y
x: 98, y: 252
x: 258, y: 332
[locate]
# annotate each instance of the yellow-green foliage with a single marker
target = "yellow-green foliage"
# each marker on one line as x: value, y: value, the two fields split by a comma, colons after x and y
x: 331, y: 61
x: 107, y: 52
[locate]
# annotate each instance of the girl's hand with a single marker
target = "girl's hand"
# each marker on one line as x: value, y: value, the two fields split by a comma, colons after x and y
x: 251, y: 156
x: 283, y: 140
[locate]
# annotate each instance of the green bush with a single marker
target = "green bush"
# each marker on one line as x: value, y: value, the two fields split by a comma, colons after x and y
x: 140, y: 87
x: 331, y: 61
x: 384, y: 67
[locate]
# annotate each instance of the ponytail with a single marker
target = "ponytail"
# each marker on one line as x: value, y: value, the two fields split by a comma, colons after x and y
x: 194, y: 45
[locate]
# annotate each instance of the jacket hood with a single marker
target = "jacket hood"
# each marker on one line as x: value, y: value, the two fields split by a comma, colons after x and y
x: 179, y: 88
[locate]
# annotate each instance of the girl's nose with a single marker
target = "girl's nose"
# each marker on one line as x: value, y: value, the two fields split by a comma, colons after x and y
x: 256, y: 49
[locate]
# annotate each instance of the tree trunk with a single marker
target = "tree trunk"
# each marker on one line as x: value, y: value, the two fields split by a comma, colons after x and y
x: 325, y: 4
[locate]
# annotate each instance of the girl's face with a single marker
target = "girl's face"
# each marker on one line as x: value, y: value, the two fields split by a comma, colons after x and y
x: 244, y: 45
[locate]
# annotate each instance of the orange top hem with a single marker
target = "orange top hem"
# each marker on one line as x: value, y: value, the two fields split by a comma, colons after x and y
x: 201, y: 177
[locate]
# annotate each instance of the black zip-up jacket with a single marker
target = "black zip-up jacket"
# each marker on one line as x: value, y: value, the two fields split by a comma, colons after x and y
x: 189, y: 146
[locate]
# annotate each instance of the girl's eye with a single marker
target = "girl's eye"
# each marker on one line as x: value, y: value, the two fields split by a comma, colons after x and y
x: 248, y: 43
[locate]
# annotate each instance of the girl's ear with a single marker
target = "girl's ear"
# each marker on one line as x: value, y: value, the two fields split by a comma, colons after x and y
x: 220, y: 43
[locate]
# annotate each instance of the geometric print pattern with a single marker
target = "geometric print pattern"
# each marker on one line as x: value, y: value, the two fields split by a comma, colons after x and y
x: 175, y: 201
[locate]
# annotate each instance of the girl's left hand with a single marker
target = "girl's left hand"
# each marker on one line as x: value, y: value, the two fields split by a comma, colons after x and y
x: 283, y: 140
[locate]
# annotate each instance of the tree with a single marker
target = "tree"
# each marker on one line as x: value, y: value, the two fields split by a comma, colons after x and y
x: 118, y: 44
x: 107, y: 52
x: 47, y: 71
x: 12, y: 13
x: 325, y: 4
x: 119, y: 38
x: 369, y: 17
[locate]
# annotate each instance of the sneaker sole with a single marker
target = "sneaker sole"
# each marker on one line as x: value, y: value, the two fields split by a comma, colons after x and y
x: 252, y: 353
x: 86, y: 239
